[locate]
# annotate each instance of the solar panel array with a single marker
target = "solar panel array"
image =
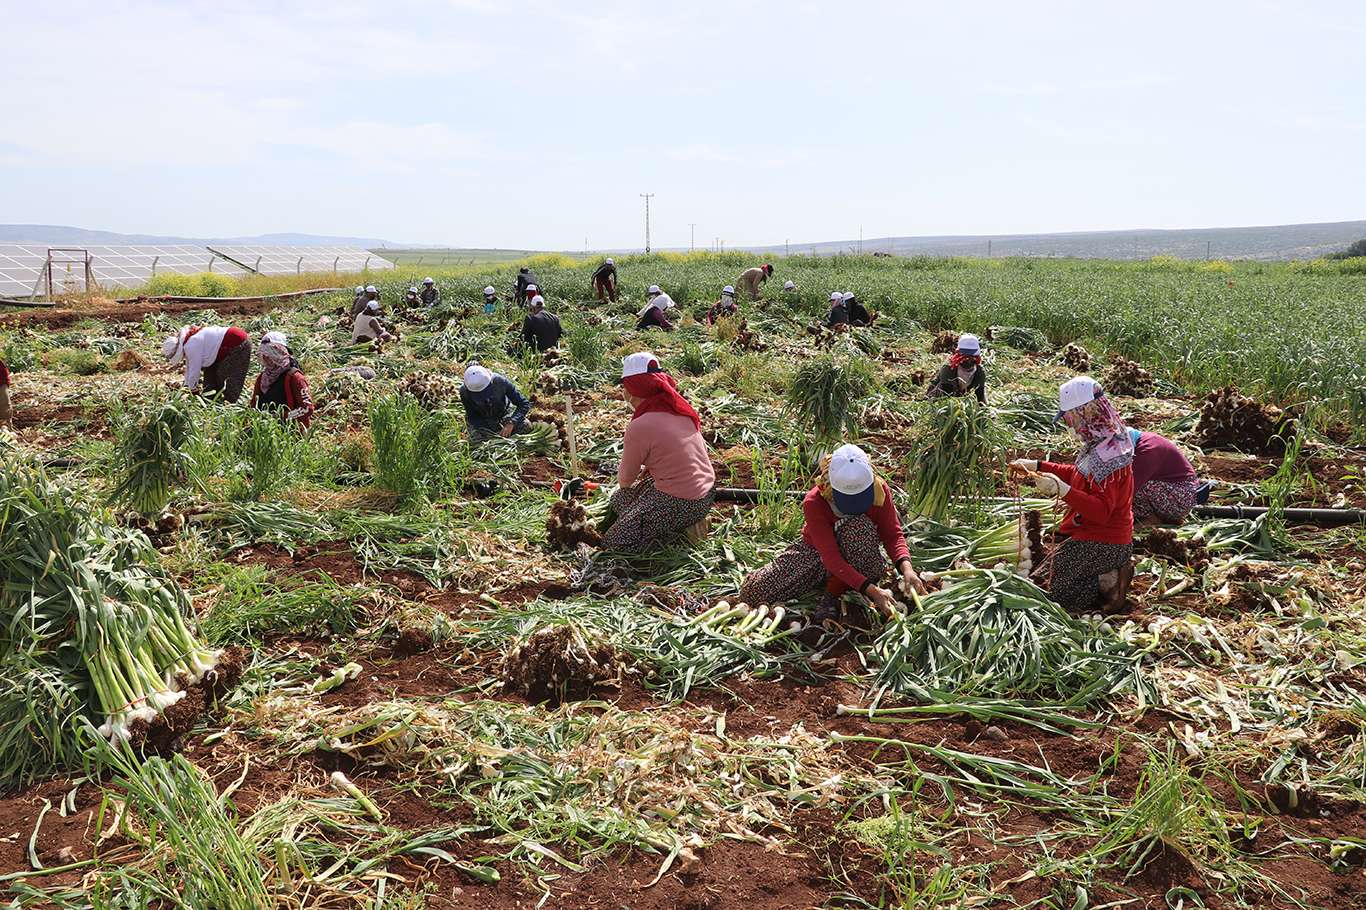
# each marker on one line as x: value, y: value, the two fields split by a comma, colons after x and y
x: 22, y: 266
x: 287, y: 260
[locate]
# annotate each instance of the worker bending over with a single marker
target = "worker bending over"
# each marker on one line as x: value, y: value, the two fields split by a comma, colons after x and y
x: 605, y: 281
x: 216, y: 354
x: 1165, y: 485
x: 493, y: 405
x: 751, y: 279
x: 541, y: 330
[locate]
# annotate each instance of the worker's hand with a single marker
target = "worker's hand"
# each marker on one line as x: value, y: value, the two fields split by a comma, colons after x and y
x: 883, y: 600
x: 911, y: 581
x: 1024, y: 466
x: 1052, y: 486
x: 506, y: 430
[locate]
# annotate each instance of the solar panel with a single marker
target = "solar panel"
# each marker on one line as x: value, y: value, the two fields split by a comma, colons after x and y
x: 287, y: 260
x: 22, y: 265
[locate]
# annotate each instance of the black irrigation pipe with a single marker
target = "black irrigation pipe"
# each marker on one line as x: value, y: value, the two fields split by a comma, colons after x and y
x: 1325, y: 518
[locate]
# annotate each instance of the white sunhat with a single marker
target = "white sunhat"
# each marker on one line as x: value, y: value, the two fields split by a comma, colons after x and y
x: 847, y: 295
x: 789, y: 285
x: 851, y: 480
x: 728, y: 291
x: 969, y: 344
x: 370, y: 289
x: 836, y: 296
x: 173, y: 348
x: 638, y: 363
x: 412, y: 289
x: 276, y: 337
x: 538, y: 300
x: 428, y: 280
x: 360, y: 289
x: 1076, y: 392
x: 654, y: 289
x: 477, y: 378
x: 372, y: 305
x: 610, y: 261
x: 489, y: 291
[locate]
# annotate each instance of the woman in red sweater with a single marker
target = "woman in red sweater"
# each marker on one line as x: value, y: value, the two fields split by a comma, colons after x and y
x: 281, y: 384
x: 1094, y: 563
x: 665, y: 484
x: 850, y: 519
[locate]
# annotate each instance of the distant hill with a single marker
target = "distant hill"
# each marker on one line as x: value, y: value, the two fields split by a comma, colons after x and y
x: 1284, y: 241
x: 74, y: 236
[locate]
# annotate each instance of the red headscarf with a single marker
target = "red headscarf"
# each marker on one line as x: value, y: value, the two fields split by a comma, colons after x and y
x: 958, y: 358
x: 659, y: 392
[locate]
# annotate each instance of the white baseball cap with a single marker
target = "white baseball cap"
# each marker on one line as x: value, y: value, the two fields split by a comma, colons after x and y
x: 428, y: 281
x: 538, y: 300
x: 1076, y: 392
x: 372, y: 305
x: 276, y: 337
x: 477, y: 378
x: 851, y: 480
x: 847, y: 295
x: 728, y: 291
x: 531, y: 289
x: 360, y: 289
x: 609, y: 261
x: 412, y: 289
x: 969, y: 344
x: 654, y: 289
x: 489, y: 291
x: 836, y: 296
x: 638, y: 363
x: 789, y: 286
x: 370, y: 289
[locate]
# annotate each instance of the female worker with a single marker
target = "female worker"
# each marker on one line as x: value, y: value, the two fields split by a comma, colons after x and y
x: 724, y: 307
x: 665, y: 484
x: 221, y: 355
x: 281, y: 384
x: 652, y: 316
x: 1094, y: 564
x: 6, y: 411
x: 850, y: 520
x: 1164, y: 481
x: 963, y: 374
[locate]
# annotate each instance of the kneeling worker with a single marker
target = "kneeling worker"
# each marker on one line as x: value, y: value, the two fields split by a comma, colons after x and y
x: 541, y: 330
x: 281, y: 384
x: 652, y: 316
x: 493, y: 405
x: 963, y: 374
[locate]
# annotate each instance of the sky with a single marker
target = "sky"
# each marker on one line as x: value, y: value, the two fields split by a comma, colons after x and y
x: 537, y: 125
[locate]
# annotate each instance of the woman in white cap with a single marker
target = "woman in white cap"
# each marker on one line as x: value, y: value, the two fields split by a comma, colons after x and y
x: 541, y: 331
x: 358, y: 300
x: 724, y: 307
x: 605, y: 281
x: 493, y: 405
x: 665, y: 483
x: 430, y: 295
x: 1094, y: 563
x: 368, y: 327
x: 963, y: 374
x: 370, y: 295
x: 653, y: 315
x: 411, y: 298
x: 281, y: 384
x: 219, y: 355
x: 839, y: 313
x: 849, y: 521
x: 789, y: 286
x: 858, y: 313
x: 490, y: 299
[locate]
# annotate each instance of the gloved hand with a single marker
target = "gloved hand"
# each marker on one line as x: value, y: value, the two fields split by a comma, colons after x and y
x: 1029, y: 465
x: 1052, y: 486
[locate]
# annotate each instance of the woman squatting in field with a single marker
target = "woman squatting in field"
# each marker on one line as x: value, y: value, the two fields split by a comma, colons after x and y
x: 219, y: 355
x: 963, y: 374
x: 665, y: 484
x: 850, y: 519
x: 1165, y: 486
x: 1094, y: 563
x: 281, y: 385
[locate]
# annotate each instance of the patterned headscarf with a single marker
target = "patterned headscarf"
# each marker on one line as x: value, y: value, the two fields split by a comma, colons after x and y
x: 1105, y: 443
x: 275, y: 358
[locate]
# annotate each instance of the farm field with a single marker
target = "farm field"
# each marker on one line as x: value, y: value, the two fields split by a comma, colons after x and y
x: 420, y: 700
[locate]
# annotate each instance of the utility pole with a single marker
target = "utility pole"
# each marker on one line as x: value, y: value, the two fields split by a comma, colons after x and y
x: 787, y: 247
x: 860, y: 240
x: 692, y: 237
x: 1207, y: 246
x: 988, y: 247
x: 646, y: 197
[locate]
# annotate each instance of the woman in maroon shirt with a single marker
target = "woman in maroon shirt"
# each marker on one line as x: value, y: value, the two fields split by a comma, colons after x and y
x: 1094, y: 563
x: 850, y: 518
x: 1164, y: 481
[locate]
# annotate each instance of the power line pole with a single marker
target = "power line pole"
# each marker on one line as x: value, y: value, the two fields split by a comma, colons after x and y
x: 787, y: 247
x: 1207, y: 246
x: 860, y: 240
x: 646, y: 197
x: 692, y: 237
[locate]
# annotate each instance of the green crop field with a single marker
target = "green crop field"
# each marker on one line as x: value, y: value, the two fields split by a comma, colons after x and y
x: 246, y: 667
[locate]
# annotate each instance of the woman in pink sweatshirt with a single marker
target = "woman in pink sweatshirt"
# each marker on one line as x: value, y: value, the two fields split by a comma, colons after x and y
x: 665, y: 484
